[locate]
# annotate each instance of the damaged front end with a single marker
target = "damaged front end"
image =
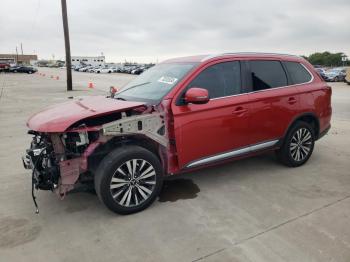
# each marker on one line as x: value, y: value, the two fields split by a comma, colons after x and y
x: 57, y: 160
x: 60, y: 160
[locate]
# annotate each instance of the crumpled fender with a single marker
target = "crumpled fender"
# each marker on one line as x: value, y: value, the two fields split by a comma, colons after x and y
x: 58, y: 118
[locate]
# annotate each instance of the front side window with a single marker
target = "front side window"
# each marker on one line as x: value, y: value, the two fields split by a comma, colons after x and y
x: 297, y: 73
x: 267, y: 74
x: 155, y: 83
x: 220, y: 80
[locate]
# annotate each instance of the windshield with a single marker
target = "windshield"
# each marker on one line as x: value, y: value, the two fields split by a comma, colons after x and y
x: 155, y: 83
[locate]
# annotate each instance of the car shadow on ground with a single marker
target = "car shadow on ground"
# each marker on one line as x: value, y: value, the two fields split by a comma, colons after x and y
x: 185, y: 186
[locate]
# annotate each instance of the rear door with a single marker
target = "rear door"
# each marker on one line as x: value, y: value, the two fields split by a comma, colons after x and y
x: 204, y: 131
x: 273, y: 102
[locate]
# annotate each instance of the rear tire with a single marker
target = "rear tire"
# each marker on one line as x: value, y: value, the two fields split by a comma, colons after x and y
x: 298, y: 145
x: 129, y: 179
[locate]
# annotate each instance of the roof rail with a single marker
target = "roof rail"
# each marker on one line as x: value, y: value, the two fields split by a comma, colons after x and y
x: 243, y: 53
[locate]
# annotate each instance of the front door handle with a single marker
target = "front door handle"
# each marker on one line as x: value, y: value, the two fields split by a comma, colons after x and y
x: 239, y: 110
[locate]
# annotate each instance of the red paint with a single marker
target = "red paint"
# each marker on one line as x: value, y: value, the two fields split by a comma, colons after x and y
x: 59, y: 117
x: 201, y: 130
x: 204, y: 130
x: 197, y: 95
x: 233, y: 122
x: 88, y: 151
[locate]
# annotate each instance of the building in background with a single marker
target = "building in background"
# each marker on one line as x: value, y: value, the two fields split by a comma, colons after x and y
x: 88, y: 60
x: 18, y: 59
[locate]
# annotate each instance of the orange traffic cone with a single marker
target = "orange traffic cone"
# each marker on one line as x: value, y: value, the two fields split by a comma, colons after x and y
x: 91, y: 85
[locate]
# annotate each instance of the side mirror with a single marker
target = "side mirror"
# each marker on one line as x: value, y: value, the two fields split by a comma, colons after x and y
x: 196, y: 95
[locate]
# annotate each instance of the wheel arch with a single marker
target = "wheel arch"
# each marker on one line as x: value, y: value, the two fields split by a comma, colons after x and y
x: 104, y: 149
x: 309, y: 118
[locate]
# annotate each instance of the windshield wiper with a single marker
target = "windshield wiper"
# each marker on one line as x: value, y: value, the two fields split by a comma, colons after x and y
x: 145, y: 83
x: 123, y: 99
x: 120, y: 98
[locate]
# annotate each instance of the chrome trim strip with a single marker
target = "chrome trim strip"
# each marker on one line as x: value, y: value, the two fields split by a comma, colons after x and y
x: 233, y: 153
x: 312, y: 76
x: 217, y: 98
x: 263, y: 145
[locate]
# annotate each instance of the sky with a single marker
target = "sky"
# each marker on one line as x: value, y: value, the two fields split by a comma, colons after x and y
x: 154, y: 30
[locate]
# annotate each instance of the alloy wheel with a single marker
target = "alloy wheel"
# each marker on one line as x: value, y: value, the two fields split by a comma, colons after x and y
x: 301, y: 144
x: 133, y: 182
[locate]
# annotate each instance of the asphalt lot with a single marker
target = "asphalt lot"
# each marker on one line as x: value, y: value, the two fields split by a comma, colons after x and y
x: 81, y: 80
x: 251, y: 210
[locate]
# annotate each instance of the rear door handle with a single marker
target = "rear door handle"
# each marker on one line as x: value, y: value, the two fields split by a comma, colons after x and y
x: 292, y: 100
x: 240, y: 110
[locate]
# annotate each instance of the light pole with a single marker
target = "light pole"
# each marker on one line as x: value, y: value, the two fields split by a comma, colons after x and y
x: 67, y: 45
x: 344, y: 58
x: 16, y: 55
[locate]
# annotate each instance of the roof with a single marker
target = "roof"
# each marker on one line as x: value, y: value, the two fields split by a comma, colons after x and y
x: 203, y: 58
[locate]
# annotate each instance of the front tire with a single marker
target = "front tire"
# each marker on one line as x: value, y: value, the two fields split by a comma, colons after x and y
x: 298, y: 145
x: 129, y: 179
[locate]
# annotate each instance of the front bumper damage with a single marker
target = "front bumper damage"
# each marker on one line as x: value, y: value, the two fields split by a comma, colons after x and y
x: 54, y: 168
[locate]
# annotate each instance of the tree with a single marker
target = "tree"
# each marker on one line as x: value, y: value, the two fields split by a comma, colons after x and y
x: 326, y: 59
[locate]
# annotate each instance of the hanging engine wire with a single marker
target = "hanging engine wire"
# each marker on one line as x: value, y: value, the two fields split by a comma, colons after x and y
x: 34, y: 181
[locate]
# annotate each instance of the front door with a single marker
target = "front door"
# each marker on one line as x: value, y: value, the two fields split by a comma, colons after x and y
x: 204, y: 133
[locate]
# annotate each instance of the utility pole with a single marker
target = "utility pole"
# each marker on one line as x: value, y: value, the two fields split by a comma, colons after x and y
x: 67, y: 45
x: 16, y: 55
x: 21, y: 49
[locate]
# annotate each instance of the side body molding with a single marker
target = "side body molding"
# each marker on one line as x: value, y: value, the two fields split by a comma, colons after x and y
x: 234, y: 153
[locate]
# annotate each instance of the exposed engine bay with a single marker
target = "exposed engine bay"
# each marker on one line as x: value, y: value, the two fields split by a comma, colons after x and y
x: 59, y: 160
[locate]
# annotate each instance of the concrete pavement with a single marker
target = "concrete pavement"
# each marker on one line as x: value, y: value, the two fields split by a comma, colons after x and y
x: 251, y: 210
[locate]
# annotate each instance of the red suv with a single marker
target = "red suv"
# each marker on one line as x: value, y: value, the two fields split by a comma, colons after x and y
x: 182, y: 114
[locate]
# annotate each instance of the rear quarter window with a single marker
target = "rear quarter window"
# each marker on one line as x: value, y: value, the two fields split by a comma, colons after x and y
x: 297, y: 72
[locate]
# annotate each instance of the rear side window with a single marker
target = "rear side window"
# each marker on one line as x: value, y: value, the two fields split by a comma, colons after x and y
x: 220, y: 80
x: 267, y: 74
x: 297, y: 73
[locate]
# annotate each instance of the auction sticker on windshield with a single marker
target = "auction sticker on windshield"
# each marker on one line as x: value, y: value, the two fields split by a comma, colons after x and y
x: 167, y: 80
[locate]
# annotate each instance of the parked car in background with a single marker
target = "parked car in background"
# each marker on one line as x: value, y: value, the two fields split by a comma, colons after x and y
x: 322, y: 72
x: 92, y: 69
x: 103, y: 70
x: 23, y: 69
x: 96, y: 70
x: 78, y: 67
x: 335, y: 75
x: 86, y: 69
x: 179, y: 116
x: 347, y: 77
x: 4, y: 67
x: 115, y: 69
